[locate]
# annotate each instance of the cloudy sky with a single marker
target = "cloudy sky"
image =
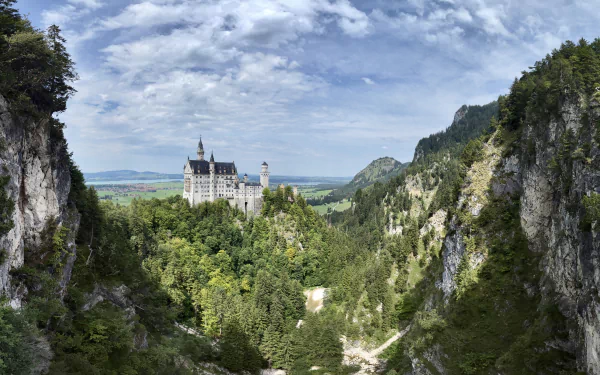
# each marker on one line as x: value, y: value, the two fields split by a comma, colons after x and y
x: 314, y: 87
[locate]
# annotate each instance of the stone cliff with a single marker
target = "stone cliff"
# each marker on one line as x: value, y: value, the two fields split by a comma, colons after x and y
x: 37, y: 163
x: 551, y: 168
x: 554, y: 182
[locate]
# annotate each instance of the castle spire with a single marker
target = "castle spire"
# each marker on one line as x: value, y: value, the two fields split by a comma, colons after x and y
x: 200, y: 150
x: 212, y: 157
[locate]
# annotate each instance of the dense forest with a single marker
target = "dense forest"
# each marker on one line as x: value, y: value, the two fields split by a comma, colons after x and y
x: 160, y: 287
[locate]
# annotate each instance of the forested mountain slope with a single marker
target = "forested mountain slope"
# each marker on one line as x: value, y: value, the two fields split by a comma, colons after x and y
x: 381, y: 169
x: 500, y: 254
x: 469, y: 122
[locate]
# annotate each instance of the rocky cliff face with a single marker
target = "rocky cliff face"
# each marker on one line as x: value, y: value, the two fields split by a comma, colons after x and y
x: 38, y: 166
x: 553, y: 166
x: 553, y: 186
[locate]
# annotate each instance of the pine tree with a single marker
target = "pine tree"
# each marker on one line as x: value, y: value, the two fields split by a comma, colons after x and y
x: 237, y: 353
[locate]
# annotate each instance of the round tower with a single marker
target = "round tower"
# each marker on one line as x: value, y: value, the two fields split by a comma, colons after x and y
x: 211, y: 169
x: 264, y: 174
x: 200, y: 150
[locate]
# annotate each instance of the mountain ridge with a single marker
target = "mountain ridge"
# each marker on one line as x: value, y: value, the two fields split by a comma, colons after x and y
x: 380, y: 169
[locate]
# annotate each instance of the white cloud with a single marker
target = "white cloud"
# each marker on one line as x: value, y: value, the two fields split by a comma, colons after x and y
x: 492, y: 21
x: 368, y: 81
x: 182, y: 48
x: 272, y: 22
x: 61, y: 16
x: 65, y: 14
x: 261, y: 77
x: 93, y: 4
x: 462, y: 15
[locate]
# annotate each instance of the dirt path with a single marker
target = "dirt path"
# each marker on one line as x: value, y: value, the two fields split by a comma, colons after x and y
x: 367, y: 360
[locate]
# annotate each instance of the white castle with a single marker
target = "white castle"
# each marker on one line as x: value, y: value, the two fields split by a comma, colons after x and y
x: 207, y: 181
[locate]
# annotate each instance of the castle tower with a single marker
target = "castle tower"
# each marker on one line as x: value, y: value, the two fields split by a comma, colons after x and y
x: 264, y: 174
x: 200, y: 150
x: 212, y: 177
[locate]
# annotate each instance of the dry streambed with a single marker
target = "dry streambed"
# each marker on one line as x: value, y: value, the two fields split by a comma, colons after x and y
x: 354, y: 353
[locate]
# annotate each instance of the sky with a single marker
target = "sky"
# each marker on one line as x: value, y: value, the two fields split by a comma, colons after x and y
x: 313, y: 87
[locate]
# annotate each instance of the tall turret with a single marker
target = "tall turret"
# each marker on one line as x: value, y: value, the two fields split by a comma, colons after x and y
x: 211, y: 168
x: 200, y: 150
x: 264, y: 174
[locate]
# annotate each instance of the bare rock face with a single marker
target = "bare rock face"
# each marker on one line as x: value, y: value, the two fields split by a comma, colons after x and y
x: 454, y: 250
x: 39, y: 185
x: 551, y: 213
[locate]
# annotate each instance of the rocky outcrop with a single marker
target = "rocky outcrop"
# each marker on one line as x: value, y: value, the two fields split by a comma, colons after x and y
x: 117, y: 296
x: 551, y: 216
x: 551, y: 182
x: 454, y: 250
x: 37, y: 164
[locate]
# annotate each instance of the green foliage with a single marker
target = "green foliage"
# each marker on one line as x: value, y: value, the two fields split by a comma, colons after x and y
x: 317, y: 344
x: 572, y: 69
x: 476, y: 363
x: 381, y: 169
x: 473, y: 152
x: 7, y: 207
x: 427, y: 324
x: 592, y: 210
x: 35, y: 69
x: 17, y: 337
x: 465, y: 277
x: 237, y: 351
x: 475, y: 122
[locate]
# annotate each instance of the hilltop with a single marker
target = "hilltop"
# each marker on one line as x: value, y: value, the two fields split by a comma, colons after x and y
x: 381, y: 169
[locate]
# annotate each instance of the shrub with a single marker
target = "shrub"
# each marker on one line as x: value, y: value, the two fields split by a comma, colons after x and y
x: 16, y: 350
x: 472, y: 153
x: 7, y: 207
x: 592, y: 209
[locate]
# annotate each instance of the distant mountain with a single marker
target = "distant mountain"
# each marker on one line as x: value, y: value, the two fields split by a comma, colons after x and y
x: 127, y: 174
x: 381, y: 169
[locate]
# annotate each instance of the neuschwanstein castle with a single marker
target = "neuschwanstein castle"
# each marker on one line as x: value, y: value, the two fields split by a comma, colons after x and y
x: 207, y: 181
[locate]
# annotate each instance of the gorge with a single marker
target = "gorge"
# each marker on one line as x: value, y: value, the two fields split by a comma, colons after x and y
x: 480, y: 257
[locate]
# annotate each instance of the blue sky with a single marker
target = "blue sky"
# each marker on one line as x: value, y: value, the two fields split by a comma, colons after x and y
x: 314, y: 87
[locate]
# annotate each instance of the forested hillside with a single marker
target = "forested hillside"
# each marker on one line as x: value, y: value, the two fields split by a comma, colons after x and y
x: 481, y: 257
x: 494, y: 229
x: 381, y: 169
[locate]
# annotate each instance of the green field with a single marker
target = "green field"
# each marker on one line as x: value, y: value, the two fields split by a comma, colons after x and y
x: 339, y: 206
x: 313, y: 192
x: 124, y: 194
x: 163, y: 190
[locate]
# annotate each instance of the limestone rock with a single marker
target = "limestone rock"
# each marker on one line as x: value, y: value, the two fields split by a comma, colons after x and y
x: 39, y: 185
